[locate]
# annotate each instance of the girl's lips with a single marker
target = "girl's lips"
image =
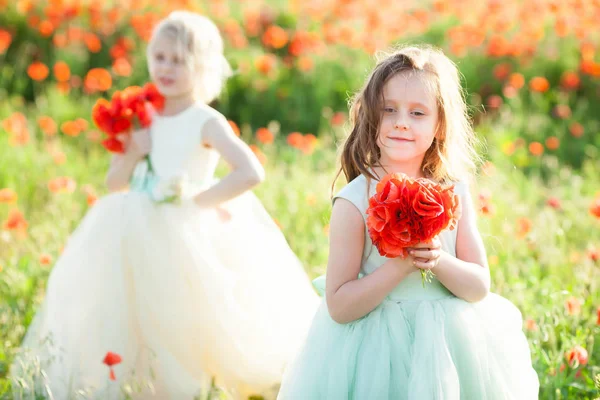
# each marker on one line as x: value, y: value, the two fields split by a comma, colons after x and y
x: 400, y: 139
x: 166, y: 81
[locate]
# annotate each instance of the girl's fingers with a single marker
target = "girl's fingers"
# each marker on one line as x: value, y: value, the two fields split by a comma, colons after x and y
x: 427, y: 254
x: 425, y: 264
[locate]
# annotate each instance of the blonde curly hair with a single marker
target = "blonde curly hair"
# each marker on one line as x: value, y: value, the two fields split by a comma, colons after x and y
x: 200, y: 43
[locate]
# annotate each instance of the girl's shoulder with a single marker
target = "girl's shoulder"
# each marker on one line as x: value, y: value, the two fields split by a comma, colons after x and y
x: 207, y: 112
x: 200, y: 113
x: 461, y: 188
x: 357, y: 192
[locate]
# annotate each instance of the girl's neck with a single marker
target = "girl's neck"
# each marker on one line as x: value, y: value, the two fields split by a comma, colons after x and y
x: 412, y: 170
x: 176, y: 104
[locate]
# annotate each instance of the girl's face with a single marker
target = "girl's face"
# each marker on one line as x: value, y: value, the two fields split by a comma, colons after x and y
x: 409, y: 121
x: 169, y: 70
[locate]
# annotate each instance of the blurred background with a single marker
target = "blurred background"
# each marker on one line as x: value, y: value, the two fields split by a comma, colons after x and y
x: 531, y: 70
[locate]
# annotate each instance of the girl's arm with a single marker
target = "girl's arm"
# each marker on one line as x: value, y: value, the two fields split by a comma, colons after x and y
x: 349, y: 298
x: 466, y: 275
x: 122, y: 165
x: 246, y: 169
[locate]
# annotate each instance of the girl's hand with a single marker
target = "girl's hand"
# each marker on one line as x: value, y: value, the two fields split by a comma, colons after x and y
x: 139, y: 144
x: 426, y: 255
x: 406, y: 265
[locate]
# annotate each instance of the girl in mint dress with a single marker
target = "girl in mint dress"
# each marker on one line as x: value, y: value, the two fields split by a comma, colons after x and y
x: 379, y: 334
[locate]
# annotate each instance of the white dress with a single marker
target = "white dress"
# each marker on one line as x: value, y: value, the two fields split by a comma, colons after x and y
x: 183, y: 296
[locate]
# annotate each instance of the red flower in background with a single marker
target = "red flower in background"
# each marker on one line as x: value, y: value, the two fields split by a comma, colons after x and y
x: 577, y: 356
x: 15, y: 221
x: 111, y: 359
x: 5, y: 40
x: 8, y: 196
x: 595, y: 207
x: 37, y: 71
x: 97, y: 80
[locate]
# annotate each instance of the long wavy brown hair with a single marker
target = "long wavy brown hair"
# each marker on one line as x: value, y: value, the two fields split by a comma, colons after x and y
x: 452, y: 155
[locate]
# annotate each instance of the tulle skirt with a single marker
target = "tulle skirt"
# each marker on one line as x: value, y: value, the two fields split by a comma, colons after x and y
x: 186, y: 298
x: 433, y: 349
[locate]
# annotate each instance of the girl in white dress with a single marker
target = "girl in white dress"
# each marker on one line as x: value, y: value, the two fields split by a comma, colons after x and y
x: 188, y: 294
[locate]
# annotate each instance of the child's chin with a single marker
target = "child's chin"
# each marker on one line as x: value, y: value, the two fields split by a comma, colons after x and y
x: 167, y: 90
x: 401, y: 156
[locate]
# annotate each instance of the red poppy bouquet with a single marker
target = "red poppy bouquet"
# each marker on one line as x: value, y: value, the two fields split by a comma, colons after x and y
x: 127, y: 109
x: 406, y: 211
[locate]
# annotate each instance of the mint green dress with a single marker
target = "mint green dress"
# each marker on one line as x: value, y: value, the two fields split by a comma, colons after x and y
x: 418, y: 344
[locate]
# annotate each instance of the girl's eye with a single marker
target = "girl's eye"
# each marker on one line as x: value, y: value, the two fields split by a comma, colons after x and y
x: 388, y: 109
x: 159, y: 57
x: 418, y: 113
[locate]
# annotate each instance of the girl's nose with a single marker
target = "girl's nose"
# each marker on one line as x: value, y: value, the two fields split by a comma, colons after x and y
x: 401, y: 125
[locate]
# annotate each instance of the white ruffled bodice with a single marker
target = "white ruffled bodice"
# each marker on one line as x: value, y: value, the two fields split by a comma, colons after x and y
x: 177, y: 145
